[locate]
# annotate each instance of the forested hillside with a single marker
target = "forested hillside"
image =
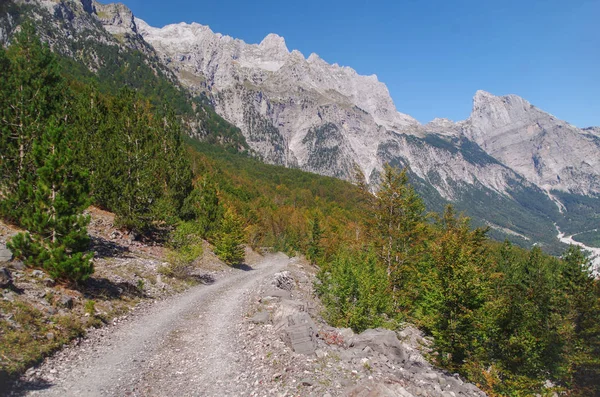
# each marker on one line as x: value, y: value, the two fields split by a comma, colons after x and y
x: 506, y: 318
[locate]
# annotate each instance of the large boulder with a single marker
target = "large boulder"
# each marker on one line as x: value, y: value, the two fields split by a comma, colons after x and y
x: 382, y: 341
x: 295, y: 326
x: 284, y: 310
x: 300, y: 333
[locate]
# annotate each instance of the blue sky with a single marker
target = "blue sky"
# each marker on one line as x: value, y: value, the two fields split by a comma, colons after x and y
x: 432, y: 54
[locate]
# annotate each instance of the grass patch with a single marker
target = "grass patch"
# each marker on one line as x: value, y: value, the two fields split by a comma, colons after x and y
x: 27, y: 336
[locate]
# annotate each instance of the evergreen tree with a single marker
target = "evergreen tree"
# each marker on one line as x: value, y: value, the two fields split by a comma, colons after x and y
x: 132, y: 171
x: 399, y: 226
x: 230, y: 239
x: 57, y: 237
x: 354, y: 290
x: 174, y: 170
x: 460, y: 261
x: 139, y: 168
x: 203, y: 206
x: 582, y: 309
x: 93, y: 147
x: 31, y: 91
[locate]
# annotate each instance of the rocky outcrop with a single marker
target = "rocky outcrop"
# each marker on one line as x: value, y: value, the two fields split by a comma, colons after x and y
x: 548, y: 152
x: 116, y: 18
x: 592, y: 130
x: 5, y: 278
x: 5, y: 254
x: 293, y: 110
x: 305, y: 356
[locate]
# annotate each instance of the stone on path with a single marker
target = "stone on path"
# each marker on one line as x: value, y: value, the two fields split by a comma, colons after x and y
x: 262, y: 317
x: 301, y: 332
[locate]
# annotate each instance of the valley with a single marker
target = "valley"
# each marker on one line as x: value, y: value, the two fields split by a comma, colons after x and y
x: 301, y: 112
x: 228, y: 218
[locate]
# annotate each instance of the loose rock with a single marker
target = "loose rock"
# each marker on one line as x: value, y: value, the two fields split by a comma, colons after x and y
x: 17, y: 265
x: 278, y: 293
x: 5, y: 254
x: 66, y: 302
x: 261, y: 317
x: 48, y: 282
x: 283, y: 281
x: 5, y: 278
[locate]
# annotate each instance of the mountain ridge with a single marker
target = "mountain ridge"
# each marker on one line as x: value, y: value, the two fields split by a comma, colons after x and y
x: 302, y: 113
x: 305, y: 113
x: 314, y: 74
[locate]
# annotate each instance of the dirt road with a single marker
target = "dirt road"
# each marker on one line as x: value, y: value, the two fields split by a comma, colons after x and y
x: 184, y: 346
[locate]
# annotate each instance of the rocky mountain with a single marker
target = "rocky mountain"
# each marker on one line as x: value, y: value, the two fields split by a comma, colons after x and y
x: 324, y: 118
x: 504, y: 165
x: 548, y: 152
x: 510, y: 165
x: 303, y: 112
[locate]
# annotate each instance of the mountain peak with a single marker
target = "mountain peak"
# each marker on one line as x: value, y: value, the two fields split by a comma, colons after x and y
x: 314, y: 57
x: 275, y: 42
x: 482, y: 95
x: 116, y: 18
x: 505, y: 107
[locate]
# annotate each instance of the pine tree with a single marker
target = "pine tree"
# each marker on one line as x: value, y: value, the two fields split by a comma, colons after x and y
x: 230, y: 239
x: 460, y: 260
x: 139, y: 168
x: 174, y: 171
x: 202, y: 205
x: 582, y: 309
x: 399, y: 227
x: 57, y: 237
x: 31, y: 91
x: 92, y: 146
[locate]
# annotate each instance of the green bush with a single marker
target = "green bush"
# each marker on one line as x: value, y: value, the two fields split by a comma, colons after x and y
x: 185, y: 245
x: 354, y: 289
x: 230, y: 239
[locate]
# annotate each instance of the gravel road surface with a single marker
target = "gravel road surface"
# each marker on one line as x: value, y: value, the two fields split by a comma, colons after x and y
x: 186, y: 345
